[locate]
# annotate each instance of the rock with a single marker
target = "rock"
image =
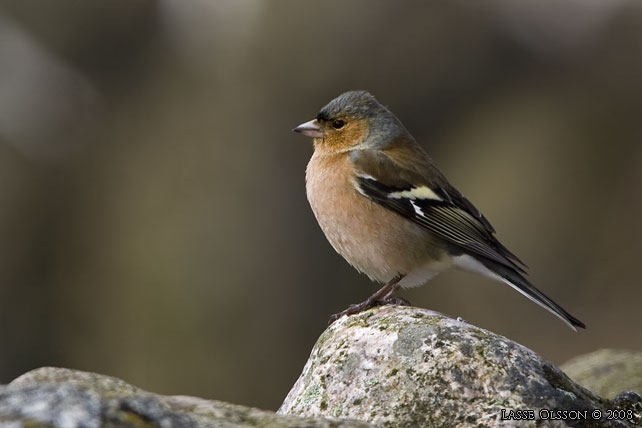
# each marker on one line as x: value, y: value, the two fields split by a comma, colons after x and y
x: 607, y: 371
x: 408, y: 367
x: 387, y: 367
x: 63, y: 398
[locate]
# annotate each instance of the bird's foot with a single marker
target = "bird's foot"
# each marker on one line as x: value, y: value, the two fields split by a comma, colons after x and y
x: 367, y: 304
x: 353, y: 309
x: 399, y: 301
x: 382, y: 297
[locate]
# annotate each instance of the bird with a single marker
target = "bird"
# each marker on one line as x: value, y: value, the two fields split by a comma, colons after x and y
x: 385, y: 206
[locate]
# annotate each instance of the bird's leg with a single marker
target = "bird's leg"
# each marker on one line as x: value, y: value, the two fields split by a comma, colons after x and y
x: 389, y: 298
x: 383, y: 296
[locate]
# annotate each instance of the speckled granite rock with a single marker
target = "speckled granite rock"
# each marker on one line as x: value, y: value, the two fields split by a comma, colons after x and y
x: 607, y: 371
x: 63, y: 398
x: 408, y: 367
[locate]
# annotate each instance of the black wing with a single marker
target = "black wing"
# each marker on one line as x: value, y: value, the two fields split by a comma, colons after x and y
x: 449, y: 216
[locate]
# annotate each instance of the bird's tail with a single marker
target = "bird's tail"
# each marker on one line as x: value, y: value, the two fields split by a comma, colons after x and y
x: 521, y: 284
x: 516, y: 280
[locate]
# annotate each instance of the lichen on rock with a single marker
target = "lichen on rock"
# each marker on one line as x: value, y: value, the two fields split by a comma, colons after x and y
x: 390, y: 366
x: 64, y: 398
x: 409, y: 367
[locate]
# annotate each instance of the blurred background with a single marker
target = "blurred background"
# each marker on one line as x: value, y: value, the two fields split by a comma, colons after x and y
x: 153, y: 218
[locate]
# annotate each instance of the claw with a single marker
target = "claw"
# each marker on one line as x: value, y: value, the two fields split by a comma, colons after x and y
x: 383, y: 296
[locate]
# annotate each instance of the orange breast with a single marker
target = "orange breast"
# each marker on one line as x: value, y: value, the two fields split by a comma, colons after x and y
x: 373, y: 239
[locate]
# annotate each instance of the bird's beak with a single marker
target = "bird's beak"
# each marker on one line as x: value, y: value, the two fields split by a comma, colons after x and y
x: 310, y: 129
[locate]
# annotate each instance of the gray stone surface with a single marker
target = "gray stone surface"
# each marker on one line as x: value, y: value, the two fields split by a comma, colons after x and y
x: 607, y: 372
x: 409, y: 367
x: 386, y: 367
x: 63, y: 398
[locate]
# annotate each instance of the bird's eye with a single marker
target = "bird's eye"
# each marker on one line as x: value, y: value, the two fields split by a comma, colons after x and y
x: 337, y: 124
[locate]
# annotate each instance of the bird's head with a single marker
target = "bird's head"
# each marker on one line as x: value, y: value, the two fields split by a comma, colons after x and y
x: 352, y: 119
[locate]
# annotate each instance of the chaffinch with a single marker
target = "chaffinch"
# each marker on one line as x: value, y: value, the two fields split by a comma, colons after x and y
x: 391, y: 213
